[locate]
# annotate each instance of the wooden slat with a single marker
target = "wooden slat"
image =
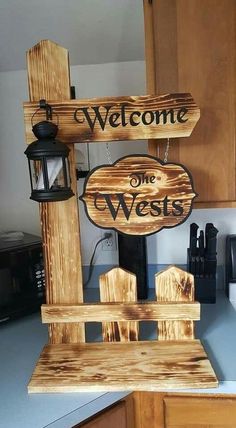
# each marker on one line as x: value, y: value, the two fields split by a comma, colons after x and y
x: 140, y: 366
x: 97, y: 312
x: 72, y: 131
x: 49, y: 78
x: 175, y: 285
x: 118, y: 285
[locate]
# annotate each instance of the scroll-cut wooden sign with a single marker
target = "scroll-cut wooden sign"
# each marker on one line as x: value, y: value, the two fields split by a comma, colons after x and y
x: 138, y: 195
x: 119, y: 118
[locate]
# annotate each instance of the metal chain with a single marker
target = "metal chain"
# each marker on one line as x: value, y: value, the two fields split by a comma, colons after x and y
x: 108, y: 154
x: 88, y: 157
x: 167, y: 150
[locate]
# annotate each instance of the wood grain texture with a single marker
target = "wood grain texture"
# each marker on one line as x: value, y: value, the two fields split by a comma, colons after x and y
x: 97, y: 312
x: 213, y: 83
x: 49, y: 78
x: 175, y: 285
x: 140, y: 366
x: 214, y: 204
x: 150, y: 61
x: 187, y: 412
x: 125, y: 118
x: 114, y: 417
x: 130, y: 416
x: 118, y: 285
x: 202, y: 46
x: 149, y: 47
x: 149, y: 409
x: 161, y: 18
x: 162, y: 199
x: 160, y: 409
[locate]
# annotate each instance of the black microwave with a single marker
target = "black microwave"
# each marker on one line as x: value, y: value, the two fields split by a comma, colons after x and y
x: 22, y: 276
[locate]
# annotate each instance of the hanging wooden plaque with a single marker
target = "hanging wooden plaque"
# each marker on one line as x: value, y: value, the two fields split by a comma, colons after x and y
x: 138, y: 195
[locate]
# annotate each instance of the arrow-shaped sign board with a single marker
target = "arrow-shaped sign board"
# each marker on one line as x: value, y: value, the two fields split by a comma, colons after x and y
x: 119, y: 118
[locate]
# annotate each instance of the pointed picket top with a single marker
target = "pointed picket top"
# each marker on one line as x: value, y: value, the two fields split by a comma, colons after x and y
x: 118, y: 285
x: 50, y: 60
x: 175, y: 285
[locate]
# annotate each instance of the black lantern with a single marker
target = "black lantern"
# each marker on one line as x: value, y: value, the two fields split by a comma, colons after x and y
x: 48, y: 165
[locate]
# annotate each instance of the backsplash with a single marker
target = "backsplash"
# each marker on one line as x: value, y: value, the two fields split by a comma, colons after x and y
x: 152, y: 270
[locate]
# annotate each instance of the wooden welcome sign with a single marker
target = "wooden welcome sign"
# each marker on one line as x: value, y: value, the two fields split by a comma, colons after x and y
x: 120, y: 118
x: 138, y: 195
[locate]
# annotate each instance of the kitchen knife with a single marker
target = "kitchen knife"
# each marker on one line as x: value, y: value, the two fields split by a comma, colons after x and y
x: 207, y: 228
x: 201, y: 253
x: 193, y: 232
x: 193, y: 255
x: 210, y: 253
x: 211, y: 243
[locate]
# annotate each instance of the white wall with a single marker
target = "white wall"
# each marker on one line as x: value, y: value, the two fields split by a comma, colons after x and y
x: 17, y: 212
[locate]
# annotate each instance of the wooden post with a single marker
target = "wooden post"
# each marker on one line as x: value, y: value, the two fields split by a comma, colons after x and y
x: 49, y: 78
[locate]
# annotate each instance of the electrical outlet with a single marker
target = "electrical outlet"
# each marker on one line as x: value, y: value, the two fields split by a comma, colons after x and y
x: 109, y: 244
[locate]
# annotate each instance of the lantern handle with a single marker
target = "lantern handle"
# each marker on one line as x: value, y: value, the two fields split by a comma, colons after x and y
x: 44, y: 105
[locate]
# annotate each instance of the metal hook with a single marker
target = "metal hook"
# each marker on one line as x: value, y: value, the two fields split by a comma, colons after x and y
x: 48, y: 109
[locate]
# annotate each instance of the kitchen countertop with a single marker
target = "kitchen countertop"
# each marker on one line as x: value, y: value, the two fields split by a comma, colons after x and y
x: 22, y: 341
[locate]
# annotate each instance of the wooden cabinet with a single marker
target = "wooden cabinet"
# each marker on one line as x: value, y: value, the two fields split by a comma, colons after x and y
x: 167, y: 410
x: 114, y: 417
x: 190, y: 47
x: 120, y: 415
x: 160, y: 410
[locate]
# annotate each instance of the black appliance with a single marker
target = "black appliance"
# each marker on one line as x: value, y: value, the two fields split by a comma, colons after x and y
x: 230, y: 261
x: 22, y: 277
x: 132, y: 256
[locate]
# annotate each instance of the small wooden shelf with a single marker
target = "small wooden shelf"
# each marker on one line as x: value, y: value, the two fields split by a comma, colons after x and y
x: 139, y: 366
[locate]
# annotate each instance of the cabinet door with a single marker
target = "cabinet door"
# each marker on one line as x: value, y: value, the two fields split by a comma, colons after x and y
x: 205, y: 412
x: 115, y: 417
x: 193, y: 50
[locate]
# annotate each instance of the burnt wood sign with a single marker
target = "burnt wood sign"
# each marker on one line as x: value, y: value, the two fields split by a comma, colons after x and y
x: 120, y: 118
x: 138, y: 195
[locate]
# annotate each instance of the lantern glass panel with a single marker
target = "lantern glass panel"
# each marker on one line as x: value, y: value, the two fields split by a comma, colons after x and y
x: 56, y: 178
x: 36, y: 171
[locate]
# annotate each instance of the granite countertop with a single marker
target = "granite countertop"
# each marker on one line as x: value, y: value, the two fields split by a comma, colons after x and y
x: 22, y: 342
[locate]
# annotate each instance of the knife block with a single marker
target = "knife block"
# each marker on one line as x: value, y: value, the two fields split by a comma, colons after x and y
x: 204, y: 285
x: 205, y: 290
